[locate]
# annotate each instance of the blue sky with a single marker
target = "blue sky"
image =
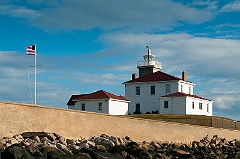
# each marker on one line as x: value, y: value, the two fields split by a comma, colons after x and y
x: 86, y: 46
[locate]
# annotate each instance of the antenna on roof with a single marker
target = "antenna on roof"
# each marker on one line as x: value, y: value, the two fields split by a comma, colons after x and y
x: 148, y: 52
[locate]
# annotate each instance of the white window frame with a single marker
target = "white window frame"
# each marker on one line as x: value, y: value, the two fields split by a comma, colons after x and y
x: 99, y: 106
x: 168, y: 88
x: 152, y: 93
x: 200, y: 105
x: 165, y: 104
x: 137, y: 91
x: 83, y: 106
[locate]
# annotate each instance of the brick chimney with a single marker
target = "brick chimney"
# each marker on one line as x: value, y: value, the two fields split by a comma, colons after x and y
x: 184, y: 76
x: 134, y: 76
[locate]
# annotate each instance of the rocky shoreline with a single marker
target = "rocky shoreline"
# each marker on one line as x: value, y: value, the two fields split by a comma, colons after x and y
x: 43, y: 145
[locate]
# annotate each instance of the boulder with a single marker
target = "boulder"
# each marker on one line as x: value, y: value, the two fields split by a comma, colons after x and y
x: 108, y: 144
x: 237, y: 143
x: 84, y: 145
x: 52, y: 151
x: 115, y: 140
x: 70, y: 142
x: 16, y: 151
x: 50, y: 136
x: 61, y: 146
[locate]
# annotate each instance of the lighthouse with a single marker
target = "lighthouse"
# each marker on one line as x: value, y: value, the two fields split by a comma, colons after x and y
x: 148, y: 65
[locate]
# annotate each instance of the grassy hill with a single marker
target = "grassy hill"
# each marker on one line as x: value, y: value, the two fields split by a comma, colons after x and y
x: 178, y: 118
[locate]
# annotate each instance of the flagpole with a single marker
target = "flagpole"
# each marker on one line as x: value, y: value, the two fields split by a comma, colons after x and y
x: 35, y: 74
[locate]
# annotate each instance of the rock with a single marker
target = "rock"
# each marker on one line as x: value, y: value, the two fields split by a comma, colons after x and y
x: 132, y: 148
x: 45, y: 139
x: 142, y: 153
x: 56, y: 154
x: 178, y: 151
x: 19, y: 138
x: 91, y: 144
x: 53, y: 151
x: 84, y: 145
x: 37, y: 154
x: 201, y: 144
x: 54, y: 146
x: 121, y: 141
x: 114, y: 140
x: 162, y: 156
x: 104, y: 136
x: 108, y: 144
x: 155, y: 144
x: 61, y: 146
x: 16, y: 151
x: 80, y: 156
x: 71, y: 147
x: 3, y: 141
x: 237, y: 143
x: 100, y: 148
x: 127, y: 138
x: 13, y: 141
x: 37, y: 139
x: 50, y: 136
x: 62, y: 140
x: 130, y: 157
x: 70, y: 142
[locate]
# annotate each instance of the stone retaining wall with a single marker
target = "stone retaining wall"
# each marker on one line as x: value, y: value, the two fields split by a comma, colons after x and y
x: 17, y: 118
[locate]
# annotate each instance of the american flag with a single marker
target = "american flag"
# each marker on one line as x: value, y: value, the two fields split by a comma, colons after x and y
x: 30, y: 50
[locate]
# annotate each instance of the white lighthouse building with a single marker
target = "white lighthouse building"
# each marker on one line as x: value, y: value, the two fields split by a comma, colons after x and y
x: 157, y: 92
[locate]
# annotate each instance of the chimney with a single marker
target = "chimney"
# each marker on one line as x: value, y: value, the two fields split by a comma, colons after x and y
x: 184, y: 76
x: 134, y: 76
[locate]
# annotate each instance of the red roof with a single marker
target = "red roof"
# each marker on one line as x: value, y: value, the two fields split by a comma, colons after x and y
x: 181, y: 94
x: 101, y: 94
x: 155, y: 77
x: 71, y: 102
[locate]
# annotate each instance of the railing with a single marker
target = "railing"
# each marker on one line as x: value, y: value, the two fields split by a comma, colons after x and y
x: 149, y: 63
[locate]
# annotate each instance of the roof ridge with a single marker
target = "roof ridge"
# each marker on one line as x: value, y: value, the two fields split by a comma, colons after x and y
x: 107, y: 93
x: 101, y: 94
x: 185, y: 94
x: 154, y: 77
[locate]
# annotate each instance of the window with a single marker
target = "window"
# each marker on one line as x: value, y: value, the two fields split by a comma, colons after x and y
x: 137, y: 108
x: 200, y: 106
x: 181, y: 88
x: 83, y: 106
x: 189, y: 90
x: 167, y: 88
x: 193, y: 105
x: 208, y: 108
x: 165, y: 104
x: 137, y: 90
x: 100, y: 106
x: 152, y: 90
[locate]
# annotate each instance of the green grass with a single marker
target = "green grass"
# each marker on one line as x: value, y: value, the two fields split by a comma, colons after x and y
x: 201, y: 120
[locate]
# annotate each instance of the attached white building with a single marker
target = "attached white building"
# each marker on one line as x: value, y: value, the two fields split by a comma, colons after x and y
x: 182, y: 103
x: 153, y: 88
x: 100, y: 102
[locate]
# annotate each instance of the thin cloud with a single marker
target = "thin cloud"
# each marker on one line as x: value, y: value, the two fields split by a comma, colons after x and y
x: 195, y: 52
x: 18, y: 11
x: 231, y: 7
x: 85, y: 15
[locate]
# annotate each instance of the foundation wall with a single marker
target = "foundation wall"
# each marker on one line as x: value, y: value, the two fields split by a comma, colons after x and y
x: 17, y: 118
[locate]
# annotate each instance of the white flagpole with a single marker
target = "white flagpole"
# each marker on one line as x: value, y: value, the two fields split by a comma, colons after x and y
x: 35, y: 73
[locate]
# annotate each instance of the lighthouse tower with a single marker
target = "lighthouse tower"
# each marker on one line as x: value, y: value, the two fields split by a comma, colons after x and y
x: 148, y: 65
